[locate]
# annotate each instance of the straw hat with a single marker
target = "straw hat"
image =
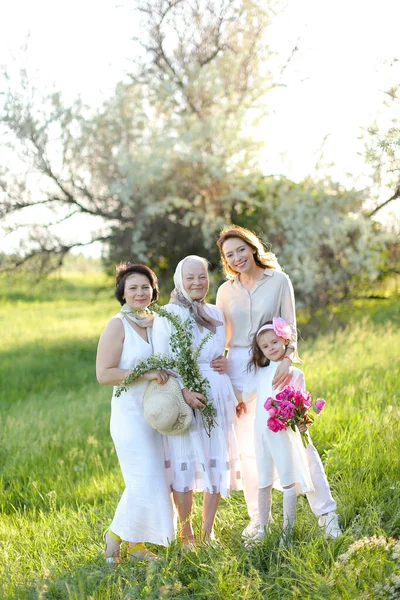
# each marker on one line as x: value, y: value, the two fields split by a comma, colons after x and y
x: 165, y: 409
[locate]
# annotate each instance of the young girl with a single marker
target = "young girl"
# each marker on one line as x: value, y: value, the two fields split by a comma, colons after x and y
x: 280, y: 455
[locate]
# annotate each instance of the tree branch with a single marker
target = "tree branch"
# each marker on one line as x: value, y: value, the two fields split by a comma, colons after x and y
x: 393, y: 197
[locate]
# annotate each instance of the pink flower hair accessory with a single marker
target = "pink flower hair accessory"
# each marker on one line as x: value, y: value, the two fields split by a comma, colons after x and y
x: 280, y: 327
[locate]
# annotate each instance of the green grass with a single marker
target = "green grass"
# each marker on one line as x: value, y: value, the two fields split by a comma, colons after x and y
x: 61, y: 481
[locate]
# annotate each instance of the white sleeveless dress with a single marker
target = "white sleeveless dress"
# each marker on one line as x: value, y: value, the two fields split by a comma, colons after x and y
x: 199, y: 462
x: 144, y: 512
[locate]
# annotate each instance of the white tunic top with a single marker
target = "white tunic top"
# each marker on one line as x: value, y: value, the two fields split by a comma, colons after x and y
x: 197, y: 461
x: 280, y: 455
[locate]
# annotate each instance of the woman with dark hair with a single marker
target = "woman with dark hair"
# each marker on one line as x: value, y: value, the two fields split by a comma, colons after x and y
x: 144, y: 513
x: 256, y: 291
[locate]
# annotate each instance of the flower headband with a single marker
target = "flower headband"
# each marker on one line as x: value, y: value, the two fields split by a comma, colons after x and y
x: 281, y: 328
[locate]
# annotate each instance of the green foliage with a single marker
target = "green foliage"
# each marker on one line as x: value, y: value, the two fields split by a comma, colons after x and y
x: 60, y: 480
x: 320, y: 236
x: 185, y: 358
x: 155, y: 361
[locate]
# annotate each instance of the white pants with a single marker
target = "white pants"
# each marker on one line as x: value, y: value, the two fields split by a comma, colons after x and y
x: 320, y: 499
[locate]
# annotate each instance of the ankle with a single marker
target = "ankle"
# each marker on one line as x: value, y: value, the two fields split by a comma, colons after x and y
x: 136, y: 547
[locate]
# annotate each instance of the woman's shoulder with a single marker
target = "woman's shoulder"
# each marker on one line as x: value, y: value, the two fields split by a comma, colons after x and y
x: 226, y: 287
x: 114, y: 328
x: 212, y: 309
x: 174, y: 309
x: 116, y: 322
x: 277, y: 275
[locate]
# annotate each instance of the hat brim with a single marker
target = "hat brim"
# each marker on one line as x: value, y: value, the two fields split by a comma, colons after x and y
x: 171, y: 392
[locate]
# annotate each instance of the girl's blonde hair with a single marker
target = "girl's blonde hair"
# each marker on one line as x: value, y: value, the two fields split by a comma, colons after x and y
x: 262, y: 257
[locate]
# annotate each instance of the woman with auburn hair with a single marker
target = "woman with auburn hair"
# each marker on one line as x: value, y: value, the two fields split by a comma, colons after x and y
x: 256, y: 291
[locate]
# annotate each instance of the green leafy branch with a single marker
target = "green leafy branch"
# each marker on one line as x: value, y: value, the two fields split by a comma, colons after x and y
x: 186, y: 364
x: 156, y: 361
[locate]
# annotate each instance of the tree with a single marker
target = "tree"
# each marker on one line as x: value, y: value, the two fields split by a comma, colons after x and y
x: 322, y: 239
x: 168, y: 149
x: 382, y: 150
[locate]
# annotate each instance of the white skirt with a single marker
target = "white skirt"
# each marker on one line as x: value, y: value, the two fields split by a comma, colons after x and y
x: 199, y: 462
x: 144, y: 512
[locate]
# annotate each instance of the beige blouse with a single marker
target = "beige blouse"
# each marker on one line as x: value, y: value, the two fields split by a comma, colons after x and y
x: 245, y: 311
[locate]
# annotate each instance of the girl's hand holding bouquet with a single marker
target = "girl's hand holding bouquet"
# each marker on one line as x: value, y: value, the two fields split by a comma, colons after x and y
x: 291, y: 408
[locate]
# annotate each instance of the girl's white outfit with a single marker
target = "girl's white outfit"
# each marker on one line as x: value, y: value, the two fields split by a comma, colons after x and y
x: 145, y: 511
x: 245, y: 311
x: 199, y: 462
x: 280, y: 455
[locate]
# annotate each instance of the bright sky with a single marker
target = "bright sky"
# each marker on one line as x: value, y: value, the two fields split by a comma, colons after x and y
x: 334, y: 83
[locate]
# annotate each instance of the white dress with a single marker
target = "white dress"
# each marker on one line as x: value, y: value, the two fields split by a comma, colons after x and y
x: 199, y: 462
x: 144, y: 512
x: 281, y: 457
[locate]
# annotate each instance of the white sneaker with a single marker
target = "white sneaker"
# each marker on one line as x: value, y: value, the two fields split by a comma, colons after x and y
x: 251, y: 542
x: 252, y: 529
x: 329, y: 523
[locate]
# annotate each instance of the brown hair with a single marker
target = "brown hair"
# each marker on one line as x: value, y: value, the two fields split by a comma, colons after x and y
x: 123, y: 271
x: 257, y: 358
x: 262, y: 257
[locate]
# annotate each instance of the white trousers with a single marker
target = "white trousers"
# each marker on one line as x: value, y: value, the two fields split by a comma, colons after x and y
x: 320, y: 499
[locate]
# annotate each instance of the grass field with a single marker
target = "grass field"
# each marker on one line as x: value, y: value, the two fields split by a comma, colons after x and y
x: 61, y: 481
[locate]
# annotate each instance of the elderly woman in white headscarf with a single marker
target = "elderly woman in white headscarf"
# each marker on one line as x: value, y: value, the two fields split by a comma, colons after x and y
x: 197, y: 461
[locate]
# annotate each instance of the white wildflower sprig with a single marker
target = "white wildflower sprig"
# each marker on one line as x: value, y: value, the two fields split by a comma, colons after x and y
x: 184, y: 360
x: 185, y: 357
x: 156, y: 361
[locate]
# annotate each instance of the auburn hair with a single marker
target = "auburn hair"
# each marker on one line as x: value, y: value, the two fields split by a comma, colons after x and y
x: 262, y: 256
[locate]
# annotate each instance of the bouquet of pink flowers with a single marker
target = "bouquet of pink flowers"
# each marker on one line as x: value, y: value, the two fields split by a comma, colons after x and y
x: 291, y: 408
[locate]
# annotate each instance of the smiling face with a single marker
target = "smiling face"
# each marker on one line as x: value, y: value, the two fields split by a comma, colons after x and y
x: 238, y: 255
x: 272, y: 346
x: 137, y: 291
x: 195, y: 278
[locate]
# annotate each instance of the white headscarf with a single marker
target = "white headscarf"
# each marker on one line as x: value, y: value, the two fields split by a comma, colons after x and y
x: 180, y: 296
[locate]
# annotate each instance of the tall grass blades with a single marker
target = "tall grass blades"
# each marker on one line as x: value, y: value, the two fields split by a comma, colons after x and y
x: 60, y: 480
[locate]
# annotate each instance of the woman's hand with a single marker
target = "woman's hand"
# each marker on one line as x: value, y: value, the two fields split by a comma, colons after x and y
x: 193, y: 399
x: 283, y: 375
x: 159, y: 375
x: 302, y: 427
x: 220, y: 364
x: 241, y: 409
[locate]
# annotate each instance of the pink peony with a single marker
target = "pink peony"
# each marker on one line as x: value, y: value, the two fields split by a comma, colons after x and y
x: 298, y: 398
x: 268, y: 403
x: 290, y: 391
x: 306, y: 399
x: 272, y: 412
x: 281, y: 328
x: 286, y: 409
x: 282, y: 395
x: 275, y: 425
x: 319, y: 405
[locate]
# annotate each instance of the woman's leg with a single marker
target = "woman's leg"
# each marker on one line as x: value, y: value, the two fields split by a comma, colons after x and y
x: 184, y: 502
x: 210, y: 506
x: 113, y: 545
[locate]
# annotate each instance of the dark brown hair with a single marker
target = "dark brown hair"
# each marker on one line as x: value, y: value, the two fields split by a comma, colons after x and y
x: 123, y: 271
x: 262, y: 257
x: 257, y: 358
